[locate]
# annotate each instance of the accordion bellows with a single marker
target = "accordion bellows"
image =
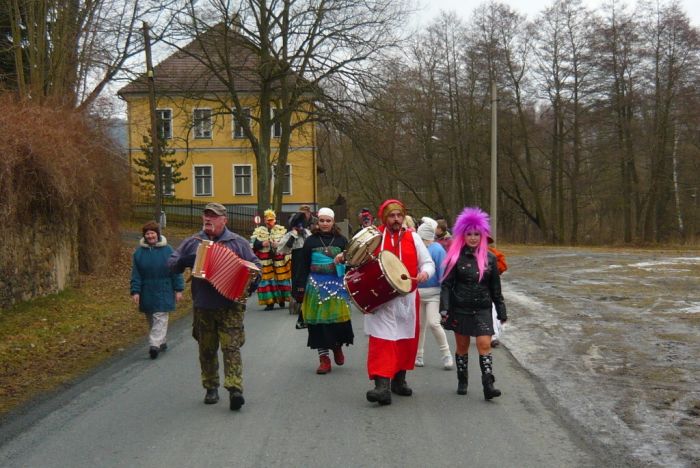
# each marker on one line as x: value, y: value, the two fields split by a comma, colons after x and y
x: 223, y: 269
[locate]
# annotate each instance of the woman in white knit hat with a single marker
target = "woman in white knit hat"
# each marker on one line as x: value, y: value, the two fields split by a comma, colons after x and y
x: 326, y: 305
x: 430, y: 297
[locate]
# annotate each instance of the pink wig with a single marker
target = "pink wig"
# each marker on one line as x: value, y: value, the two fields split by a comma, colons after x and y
x: 470, y: 219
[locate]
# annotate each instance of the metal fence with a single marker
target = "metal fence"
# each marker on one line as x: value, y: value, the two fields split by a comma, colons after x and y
x: 188, y: 213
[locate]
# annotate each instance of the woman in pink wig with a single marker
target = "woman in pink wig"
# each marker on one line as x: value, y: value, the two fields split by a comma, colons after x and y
x: 471, y: 283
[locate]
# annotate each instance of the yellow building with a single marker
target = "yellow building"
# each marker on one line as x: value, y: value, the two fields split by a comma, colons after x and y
x: 195, y: 117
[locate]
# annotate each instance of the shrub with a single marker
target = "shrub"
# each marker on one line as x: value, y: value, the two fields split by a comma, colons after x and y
x: 58, y: 168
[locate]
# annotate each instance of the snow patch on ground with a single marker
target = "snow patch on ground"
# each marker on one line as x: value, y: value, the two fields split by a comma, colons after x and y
x: 614, y: 338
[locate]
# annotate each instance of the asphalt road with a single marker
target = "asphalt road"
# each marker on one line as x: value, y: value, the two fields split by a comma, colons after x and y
x: 137, y: 412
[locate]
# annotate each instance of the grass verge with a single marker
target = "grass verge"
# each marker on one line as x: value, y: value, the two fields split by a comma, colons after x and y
x: 50, y: 341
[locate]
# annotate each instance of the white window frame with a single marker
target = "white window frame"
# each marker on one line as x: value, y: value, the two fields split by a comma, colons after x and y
x: 275, y: 128
x: 288, y: 175
x: 201, y: 133
x: 211, y: 180
x: 250, y: 180
x: 161, y: 120
x: 236, y: 134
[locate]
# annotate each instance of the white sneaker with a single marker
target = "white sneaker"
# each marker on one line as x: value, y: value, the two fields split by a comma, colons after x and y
x: 447, y: 362
x: 419, y: 361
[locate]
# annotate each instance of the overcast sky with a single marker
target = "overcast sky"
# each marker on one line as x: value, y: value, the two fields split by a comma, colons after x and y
x: 531, y: 8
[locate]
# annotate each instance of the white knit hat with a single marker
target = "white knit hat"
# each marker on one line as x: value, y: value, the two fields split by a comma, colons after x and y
x: 326, y: 212
x: 426, y: 231
x: 429, y: 220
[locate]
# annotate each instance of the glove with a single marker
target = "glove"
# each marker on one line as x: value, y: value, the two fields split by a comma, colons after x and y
x: 501, y: 314
x: 443, y: 317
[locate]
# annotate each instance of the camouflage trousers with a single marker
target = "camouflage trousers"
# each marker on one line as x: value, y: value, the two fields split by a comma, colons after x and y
x: 212, y: 327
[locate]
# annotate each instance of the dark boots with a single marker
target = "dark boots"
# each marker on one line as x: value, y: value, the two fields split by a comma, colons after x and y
x: 211, y: 397
x: 236, y: 399
x: 462, y: 373
x: 489, y: 390
x: 380, y: 393
x: 487, y: 378
x: 399, y: 385
x: 383, y: 387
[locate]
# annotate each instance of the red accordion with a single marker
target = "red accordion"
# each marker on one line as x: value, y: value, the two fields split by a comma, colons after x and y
x: 226, y: 271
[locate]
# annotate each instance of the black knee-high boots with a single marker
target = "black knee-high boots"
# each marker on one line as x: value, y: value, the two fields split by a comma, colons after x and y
x: 487, y: 378
x: 461, y: 361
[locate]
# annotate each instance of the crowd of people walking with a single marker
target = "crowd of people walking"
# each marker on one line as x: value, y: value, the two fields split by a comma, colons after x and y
x: 408, y: 278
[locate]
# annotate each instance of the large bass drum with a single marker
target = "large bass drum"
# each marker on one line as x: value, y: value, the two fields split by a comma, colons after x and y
x: 377, y: 282
x: 360, y: 248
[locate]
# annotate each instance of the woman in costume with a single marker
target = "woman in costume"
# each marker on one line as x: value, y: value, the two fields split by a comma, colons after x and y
x: 154, y: 288
x: 275, y: 284
x: 325, y: 308
x: 471, y: 284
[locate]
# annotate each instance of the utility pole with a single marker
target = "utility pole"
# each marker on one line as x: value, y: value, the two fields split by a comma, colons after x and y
x: 155, y: 136
x: 494, y: 163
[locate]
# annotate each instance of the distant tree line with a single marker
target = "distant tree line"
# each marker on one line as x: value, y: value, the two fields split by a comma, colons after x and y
x: 598, y: 124
x: 598, y: 130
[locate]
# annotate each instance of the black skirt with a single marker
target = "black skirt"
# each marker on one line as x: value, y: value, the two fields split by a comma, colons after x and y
x: 330, y: 335
x: 477, y: 323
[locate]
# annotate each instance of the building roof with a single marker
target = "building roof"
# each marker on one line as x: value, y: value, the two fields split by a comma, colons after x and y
x: 183, y: 73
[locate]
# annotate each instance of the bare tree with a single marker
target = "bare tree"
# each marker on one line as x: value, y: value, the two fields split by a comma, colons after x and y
x: 578, y: 134
x: 673, y: 49
x: 578, y: 31
x: 617, y: 48
x: 66, y: 52
x: 309, y: 57
x: 563, y: 35
x: 551, y: 52
x: 450, y: 36
x: 505, y: 38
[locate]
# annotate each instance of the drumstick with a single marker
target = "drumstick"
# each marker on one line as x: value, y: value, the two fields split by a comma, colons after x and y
x: 405, y: 277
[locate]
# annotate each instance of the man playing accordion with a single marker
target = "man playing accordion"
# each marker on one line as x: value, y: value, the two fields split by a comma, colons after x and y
x: 217, y: 319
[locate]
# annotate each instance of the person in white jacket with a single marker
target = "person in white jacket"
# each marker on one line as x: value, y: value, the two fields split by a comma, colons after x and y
x: 430, y: 297
x: 393, y: 327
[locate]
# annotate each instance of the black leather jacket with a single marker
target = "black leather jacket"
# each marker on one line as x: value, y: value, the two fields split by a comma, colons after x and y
x: 462, y: 292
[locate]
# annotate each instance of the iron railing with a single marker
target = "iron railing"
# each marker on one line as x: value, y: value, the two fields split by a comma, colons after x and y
x: 188, y: 213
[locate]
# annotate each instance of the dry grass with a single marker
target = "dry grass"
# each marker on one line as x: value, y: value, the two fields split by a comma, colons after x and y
x: 50, y: 341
